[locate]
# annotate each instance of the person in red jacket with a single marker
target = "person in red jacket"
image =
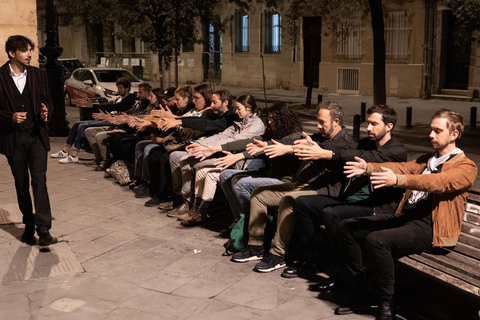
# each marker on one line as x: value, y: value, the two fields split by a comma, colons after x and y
x: 25, y: 106
x: 429, y: 215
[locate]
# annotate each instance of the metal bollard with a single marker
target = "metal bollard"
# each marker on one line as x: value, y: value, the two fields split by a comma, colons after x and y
x: 319, y: 98
x: 409, y: 117
x: 356, y: 127
x: 363, y: 109
x: 473, y: 118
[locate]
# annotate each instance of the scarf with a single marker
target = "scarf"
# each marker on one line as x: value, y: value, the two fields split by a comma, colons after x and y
x: 433, y: 165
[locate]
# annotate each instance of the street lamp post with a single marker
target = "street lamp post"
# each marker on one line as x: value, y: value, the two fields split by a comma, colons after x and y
x: 58, y: 126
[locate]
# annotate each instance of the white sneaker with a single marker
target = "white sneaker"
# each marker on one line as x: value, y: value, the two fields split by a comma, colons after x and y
x: 69, y: 159
x: 59, y: 154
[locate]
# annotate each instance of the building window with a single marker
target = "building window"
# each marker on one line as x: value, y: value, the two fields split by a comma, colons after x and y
x: 397, y: 33
x: 273, y: 33
x: 242, y: 25
x: 349, y: 37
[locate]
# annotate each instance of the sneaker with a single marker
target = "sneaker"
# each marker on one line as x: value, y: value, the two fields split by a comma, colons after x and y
x: 59, y: 154
x: 269, y: 263
x: 249, y: 253
x: 68, y: 159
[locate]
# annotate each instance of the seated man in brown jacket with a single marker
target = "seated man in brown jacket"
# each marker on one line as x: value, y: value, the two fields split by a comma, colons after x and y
x: 429, y: 215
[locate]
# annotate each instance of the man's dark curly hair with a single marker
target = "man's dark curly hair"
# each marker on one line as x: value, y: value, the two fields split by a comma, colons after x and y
x: 20, y: 43
x: 285, y: 121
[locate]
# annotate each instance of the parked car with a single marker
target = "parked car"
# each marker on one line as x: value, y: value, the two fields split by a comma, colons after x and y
x: 97, y: 83
x: 69, y: 65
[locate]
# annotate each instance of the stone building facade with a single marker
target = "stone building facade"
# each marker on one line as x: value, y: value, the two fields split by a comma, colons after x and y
x: 16, y: 19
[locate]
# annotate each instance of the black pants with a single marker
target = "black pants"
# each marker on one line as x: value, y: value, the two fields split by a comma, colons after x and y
x: 160, y: 173
x: 385, y: 238
x: 312, y: 210
x: 31, y: 155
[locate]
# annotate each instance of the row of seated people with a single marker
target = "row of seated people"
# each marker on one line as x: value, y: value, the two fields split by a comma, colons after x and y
x: 370, y: 200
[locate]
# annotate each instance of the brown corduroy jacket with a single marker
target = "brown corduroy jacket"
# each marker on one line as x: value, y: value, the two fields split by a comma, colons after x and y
x: 449, y: 188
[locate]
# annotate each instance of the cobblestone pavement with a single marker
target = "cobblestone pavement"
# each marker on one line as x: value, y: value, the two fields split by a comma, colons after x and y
x: 118, y: 259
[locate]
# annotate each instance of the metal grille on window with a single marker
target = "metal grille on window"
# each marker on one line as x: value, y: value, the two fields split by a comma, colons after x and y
x: 349, y: 37
x: 273, y: 33
x: 397, y: 34
x: 348, y: 80
x: 242, y: 25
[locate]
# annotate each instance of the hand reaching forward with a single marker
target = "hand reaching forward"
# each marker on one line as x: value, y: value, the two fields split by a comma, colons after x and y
x: 277, y: 149
x: 102, y: 115
x: 255, y: 147
x: 229, y: 160
x: 307, y: 149
x: 305, y: 141
x: 355, y: 168
x: 384, y: 178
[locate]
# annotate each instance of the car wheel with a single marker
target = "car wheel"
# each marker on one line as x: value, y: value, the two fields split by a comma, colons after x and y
x: 68, y: 101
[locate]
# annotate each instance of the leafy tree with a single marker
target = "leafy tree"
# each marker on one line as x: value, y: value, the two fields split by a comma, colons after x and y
x: 163, y: 24
x: 467, y: 17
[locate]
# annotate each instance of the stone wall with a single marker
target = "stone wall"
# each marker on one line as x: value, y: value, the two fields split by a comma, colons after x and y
x: 18, y: 18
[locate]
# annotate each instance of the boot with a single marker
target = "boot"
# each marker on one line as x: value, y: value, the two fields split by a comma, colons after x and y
x: 188, y: 214
x: 180, y: 210
x: 386, y: 309
x: 194, y: 220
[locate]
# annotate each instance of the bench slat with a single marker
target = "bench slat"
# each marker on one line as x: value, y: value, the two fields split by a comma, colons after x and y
x: 454, y: 262
x: 467, y: 250
x: 433, y: 272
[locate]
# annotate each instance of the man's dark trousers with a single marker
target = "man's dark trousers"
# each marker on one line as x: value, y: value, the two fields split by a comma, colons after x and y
x: 31, y: 156
x: 385, y: 237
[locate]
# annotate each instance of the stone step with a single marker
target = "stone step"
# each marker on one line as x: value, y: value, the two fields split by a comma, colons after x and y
x: 451, y: 97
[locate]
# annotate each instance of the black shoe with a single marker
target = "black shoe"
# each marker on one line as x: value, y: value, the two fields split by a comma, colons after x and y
x: 357, y: 303
x: 269, y: 263
x: 249, y: 253
x: 153, y: 202
x: 28, y: 235
x: 298, y: 270
x: 143, y: 193
x: 46, y: 239
x: 386, y: 309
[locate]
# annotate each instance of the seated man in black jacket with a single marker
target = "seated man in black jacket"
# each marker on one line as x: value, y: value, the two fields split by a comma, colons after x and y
x: 313, y: 177
x: 358, y: 199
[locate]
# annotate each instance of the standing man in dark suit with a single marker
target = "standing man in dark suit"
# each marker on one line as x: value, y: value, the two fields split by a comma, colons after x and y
x: 25, y: 107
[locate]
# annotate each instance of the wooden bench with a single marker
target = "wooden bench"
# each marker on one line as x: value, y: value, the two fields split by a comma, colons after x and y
x: 459, y: 266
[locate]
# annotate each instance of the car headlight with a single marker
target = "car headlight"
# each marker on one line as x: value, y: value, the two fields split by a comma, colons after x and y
x: 109, y: 92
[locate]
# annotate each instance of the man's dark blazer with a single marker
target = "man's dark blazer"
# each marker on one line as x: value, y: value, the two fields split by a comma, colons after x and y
x: 39, y: 93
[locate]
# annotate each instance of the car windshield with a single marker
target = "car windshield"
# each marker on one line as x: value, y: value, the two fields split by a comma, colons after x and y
x: 113, y: 75
x: 71, y: 64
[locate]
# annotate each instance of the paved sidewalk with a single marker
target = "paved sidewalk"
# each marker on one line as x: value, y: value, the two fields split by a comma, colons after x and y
x: 118, y: 259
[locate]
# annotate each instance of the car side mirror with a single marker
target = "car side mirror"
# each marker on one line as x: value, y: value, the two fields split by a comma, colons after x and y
x: 88, y: 82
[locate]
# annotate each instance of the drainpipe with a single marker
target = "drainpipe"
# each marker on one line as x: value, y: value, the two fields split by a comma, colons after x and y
x: 428, y: 48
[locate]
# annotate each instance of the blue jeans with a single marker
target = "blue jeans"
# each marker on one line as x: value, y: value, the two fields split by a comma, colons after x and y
x: 77, y: 133
x: 238, y: 185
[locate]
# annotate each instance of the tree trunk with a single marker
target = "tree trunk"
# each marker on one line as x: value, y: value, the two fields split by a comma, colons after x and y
x: 160, y: 70
x: 176, y: 68
x: 379, y: 87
